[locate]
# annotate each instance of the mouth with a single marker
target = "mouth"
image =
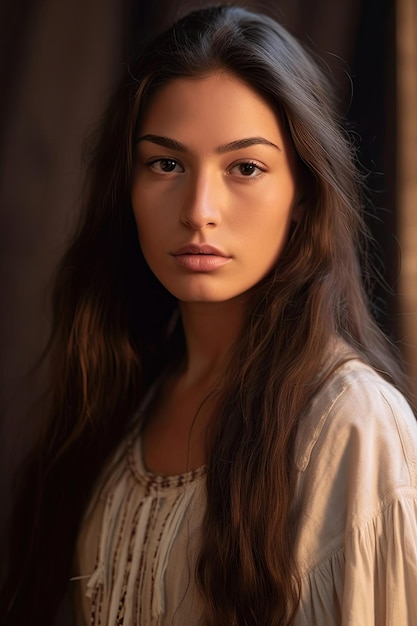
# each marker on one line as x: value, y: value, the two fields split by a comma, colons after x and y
x: 203, y: 249
x: 200, y: 258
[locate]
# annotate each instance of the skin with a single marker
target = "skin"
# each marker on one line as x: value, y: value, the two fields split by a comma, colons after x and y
x: 213, y: 167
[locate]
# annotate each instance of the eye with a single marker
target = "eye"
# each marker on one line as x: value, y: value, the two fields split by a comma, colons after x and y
x: 166, y: 166
x: 247, y: 169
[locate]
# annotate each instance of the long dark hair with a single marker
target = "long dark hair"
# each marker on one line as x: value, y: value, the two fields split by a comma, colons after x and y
x: 110, y: 336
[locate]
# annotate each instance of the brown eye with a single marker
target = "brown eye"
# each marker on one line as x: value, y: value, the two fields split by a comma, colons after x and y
x: 247, y: 169
x: 166, y: 166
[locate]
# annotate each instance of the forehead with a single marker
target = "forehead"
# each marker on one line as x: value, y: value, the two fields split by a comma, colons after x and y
x: 218, y: 106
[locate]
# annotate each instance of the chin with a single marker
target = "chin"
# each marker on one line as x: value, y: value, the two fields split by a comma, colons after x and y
x: 196, y: 290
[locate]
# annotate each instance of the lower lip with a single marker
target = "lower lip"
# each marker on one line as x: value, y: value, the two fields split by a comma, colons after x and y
x: 200, y: 262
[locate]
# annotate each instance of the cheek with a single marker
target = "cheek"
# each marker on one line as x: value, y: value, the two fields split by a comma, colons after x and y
x: 148, y: 230
x: 146, y: 216
x: 268, y: 219
x: 267, y: 233
x: 154, y: 210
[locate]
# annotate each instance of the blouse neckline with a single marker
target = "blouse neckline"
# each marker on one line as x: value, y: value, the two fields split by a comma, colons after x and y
x: 149, y: 479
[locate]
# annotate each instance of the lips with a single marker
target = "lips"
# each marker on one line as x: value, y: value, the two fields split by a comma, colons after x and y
x: 200, y: 257
x: 196, y: 248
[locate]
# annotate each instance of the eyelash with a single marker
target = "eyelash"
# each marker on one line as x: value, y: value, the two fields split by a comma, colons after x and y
x: 251, y: 163
x: 255, y: 164
x: 152, y: 163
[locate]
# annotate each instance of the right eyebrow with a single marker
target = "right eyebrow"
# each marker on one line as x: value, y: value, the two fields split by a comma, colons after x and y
x: 166, y: 142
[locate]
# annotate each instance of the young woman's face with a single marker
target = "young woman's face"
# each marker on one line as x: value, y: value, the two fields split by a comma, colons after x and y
x: 213, y: 188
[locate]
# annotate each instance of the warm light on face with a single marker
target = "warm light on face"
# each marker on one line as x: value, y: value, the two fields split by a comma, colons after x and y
x: 213, y: 188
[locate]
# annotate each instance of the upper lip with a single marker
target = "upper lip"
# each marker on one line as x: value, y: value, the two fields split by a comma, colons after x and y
x: 196, y: 248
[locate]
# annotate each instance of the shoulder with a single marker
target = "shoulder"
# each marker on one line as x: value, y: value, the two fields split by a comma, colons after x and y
x: 356, y: 502
x: 355, y: 458
x: 359, y: 411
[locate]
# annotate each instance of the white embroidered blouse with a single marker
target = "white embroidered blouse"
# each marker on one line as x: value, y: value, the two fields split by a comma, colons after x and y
x: 356, y: 494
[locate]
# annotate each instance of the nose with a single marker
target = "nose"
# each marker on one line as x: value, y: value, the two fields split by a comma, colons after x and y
x: 201, y: 207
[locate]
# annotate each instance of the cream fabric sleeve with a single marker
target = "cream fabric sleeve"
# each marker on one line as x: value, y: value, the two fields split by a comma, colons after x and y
x: 381, y: 567
x: 357, y: 496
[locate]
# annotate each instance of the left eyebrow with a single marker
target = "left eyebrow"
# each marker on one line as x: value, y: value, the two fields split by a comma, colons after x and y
x: 228, y: 147
x: 245, y: 143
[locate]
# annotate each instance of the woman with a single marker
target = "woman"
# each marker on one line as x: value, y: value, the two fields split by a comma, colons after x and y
x: 226, y: 443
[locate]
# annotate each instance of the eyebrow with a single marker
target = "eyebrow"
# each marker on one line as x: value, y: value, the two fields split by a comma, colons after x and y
x: 172, y: 144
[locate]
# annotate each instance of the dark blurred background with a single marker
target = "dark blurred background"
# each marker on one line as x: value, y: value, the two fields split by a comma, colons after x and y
x: 60, y: 60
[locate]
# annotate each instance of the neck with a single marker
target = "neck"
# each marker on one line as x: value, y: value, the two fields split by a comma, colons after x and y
x: 210, y: 331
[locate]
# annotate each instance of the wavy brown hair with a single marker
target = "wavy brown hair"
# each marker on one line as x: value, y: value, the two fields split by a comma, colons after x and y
x: 110, y: 337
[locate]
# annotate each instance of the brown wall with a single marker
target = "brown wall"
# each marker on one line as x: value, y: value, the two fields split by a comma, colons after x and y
x: 59, y: 62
